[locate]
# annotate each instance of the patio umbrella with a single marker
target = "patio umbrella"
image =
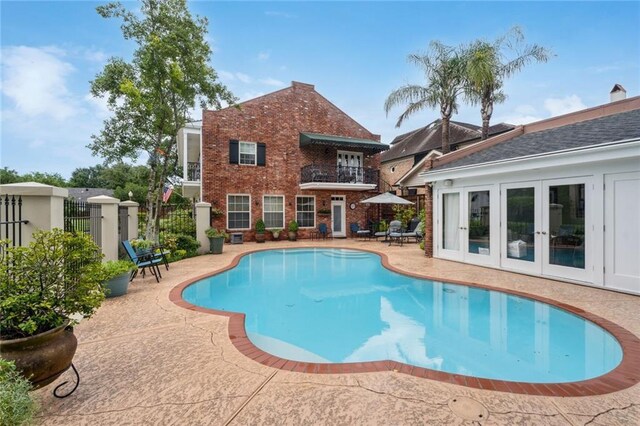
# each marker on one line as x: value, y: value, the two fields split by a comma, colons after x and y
x: 386, y: 198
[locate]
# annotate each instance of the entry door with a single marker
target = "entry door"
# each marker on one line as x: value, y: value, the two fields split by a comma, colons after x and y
x: 521, y: 223
x: 479, y: 216
x: 622, y: 231
x: 338, y: 216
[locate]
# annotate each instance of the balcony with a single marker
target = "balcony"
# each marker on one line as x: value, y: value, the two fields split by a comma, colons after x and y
x: 329, y: 176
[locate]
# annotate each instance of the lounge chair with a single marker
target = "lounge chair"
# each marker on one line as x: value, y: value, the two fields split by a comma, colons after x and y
x: 143, y: 261
x: 417, y: 233
x: 356, y: 232
x: 395, y: 232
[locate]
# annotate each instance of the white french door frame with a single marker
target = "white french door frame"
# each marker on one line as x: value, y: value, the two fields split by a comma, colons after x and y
x: 442, y: 251
x: 494, y: 237
x: 517, y: 265
x: 579, y: 274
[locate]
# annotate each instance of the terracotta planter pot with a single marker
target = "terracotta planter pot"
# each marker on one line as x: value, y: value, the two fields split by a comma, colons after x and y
x: 293, y: 236
x: 118, y: 286
x: 259, y: 238
x: 44, y: 357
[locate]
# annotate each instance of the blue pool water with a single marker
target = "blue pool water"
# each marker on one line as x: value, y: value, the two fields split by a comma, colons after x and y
x: 331, y: 305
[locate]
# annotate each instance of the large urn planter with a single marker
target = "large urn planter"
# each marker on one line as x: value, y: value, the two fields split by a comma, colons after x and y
x: 42, y: 358
x: 216, y: 244
x: 117, y: 286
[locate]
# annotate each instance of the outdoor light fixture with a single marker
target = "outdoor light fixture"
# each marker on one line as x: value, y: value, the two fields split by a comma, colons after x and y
x: 130, y: 195
x: 447, y: 182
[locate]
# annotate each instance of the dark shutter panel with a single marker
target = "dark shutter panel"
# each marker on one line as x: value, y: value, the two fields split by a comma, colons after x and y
x: 234, y: 151
x: 262, y: 154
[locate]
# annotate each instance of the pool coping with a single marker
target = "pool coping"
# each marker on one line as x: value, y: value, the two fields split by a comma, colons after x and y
x: 625, y: 375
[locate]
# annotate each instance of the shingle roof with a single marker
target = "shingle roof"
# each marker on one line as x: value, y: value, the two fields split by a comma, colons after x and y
x: 612, y: 128
x: 83, y: 193
x: 428, y: 138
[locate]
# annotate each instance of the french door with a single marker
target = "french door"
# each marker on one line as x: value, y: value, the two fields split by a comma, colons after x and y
x: 545, y: 228
x: 465, y: 225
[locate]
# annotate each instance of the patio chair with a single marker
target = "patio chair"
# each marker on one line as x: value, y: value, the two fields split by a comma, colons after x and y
x: 395, y: 232
x: 143, y: 261
x: 356, y: 232
x: 322, y: 232
x: 417, y: 233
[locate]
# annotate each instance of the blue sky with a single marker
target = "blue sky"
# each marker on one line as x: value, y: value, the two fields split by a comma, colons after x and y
x: 354, y: 53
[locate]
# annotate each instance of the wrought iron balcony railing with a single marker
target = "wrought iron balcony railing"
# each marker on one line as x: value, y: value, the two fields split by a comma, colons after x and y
x: 338, y: 174
x: 193, y: 172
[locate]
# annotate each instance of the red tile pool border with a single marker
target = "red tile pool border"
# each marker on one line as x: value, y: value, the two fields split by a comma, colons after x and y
x: 625, y: 375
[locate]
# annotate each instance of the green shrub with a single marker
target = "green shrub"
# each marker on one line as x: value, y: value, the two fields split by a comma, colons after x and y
x: 17, y: 407
x: 179, y: 222
x: 215, y: 233
x: 141, y: 244
x: 188, y: 243
x: 260, y: 226
x: 41, y: 286
x: 293, y: 226
x: 177, y: 255
x: 169, y: 241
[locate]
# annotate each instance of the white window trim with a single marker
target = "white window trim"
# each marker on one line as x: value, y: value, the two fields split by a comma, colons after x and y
x: 284, y: 223
x: 255, y: 153
x: 239, y: 229
x: 314, y: 211
x: 348, y: 153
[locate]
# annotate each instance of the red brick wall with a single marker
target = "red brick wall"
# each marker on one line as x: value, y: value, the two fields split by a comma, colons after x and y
x: 276, y: 120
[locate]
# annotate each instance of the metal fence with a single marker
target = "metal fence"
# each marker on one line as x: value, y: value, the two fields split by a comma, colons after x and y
x: 174, y: 218
x: 80, y: 216
x: 11, y: 220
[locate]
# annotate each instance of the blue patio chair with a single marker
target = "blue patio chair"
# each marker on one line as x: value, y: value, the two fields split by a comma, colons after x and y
x: 143, y: 261
x: 323, y: 231
x: 356, y: 232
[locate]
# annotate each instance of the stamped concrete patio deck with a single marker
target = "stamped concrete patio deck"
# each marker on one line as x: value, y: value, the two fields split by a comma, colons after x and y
x: 144, y: 360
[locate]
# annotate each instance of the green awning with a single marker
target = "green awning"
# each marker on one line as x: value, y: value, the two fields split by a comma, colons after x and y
x: 307, y: 139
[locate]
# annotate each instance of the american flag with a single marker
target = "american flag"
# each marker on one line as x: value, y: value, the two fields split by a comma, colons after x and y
x: 166, y: 193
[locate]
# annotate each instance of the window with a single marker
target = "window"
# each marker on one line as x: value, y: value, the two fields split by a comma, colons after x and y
x: 248, y: 153
x: 306, y: 212
x: 273, y: 211
x: 238, y: 212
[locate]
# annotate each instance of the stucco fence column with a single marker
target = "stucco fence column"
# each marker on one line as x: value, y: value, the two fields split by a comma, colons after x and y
x: 132, y: 219
x: 109, y: 237
x: 203, y: 222
x: 42, y: 206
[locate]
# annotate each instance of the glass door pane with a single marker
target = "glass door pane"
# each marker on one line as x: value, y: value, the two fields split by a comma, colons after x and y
x: 451, y: 221
x: 337, y: 218
x: 520, y: 232
x: 566, y: 225
x: 479, y: 222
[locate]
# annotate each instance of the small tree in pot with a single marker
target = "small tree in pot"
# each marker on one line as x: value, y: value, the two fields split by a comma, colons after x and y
x: 43, y: 289
x: 216, y: 239
x: 260, y: 228
x: 293, y: 230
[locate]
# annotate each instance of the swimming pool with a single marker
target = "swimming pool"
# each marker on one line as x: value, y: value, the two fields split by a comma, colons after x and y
x: 339, y: 306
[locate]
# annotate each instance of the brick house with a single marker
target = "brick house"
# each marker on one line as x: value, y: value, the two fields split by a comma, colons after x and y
x: 287, y: 155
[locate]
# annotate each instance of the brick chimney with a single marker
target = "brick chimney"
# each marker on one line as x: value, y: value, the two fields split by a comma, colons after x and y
x: 617, y: 93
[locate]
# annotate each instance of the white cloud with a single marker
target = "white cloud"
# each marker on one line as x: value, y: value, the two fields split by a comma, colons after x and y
x: 95, y: 56
x: 226, y: 75
x: 559, y: 106
x: 243, y: 77
x: 263, y: 56
x: 272, y: 82
x: 34, y: 78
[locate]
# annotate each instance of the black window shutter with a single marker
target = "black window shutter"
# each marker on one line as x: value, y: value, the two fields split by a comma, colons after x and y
x: 234, y: 151
x: 262, y: 154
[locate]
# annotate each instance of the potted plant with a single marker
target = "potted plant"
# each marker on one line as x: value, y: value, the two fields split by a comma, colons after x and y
x: 216, y: 239
x: 260, y: 228
x: 44, y: 289
x: 293, y: 230
x: 117, y: 277
x: 141, y: 245
x: 276, y: 233
x: 17, y: 407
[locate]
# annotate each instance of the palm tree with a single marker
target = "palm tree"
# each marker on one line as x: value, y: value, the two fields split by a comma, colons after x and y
x: 487, y: 67
x: 444, y: 69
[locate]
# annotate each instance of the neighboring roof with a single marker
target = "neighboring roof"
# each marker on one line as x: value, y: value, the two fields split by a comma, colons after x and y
x: 83, y: 193
x: 428, y: 138
x: 611, y: 128
x: 411, y: 178
x: 341, y: 142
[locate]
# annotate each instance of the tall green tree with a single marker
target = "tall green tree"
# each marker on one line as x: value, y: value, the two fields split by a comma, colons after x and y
x: 88, y: 177
x: 150, y: 97
x: 444, y: 70
x: 489, y: 64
